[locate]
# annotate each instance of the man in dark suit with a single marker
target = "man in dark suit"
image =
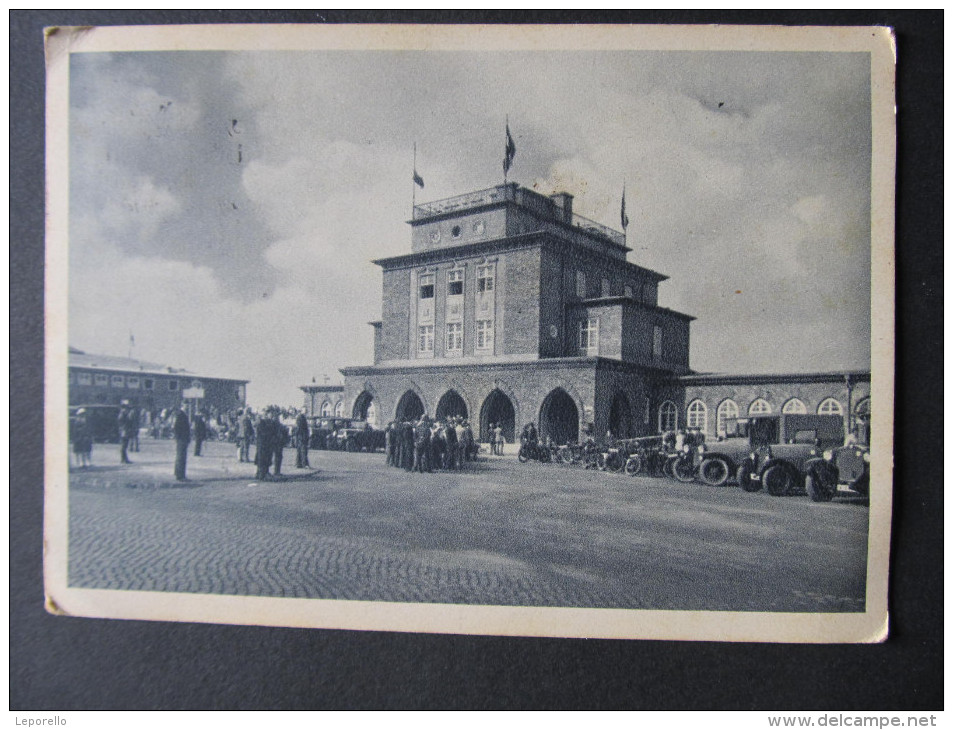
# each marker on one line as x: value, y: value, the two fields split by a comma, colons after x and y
x: 182, y: 434
x: 302, y: 434
x: 200, y: 431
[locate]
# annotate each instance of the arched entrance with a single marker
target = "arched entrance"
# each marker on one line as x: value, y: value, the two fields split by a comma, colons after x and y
x: 451, y: 404
x: 498, y: 408
x: 409, y: 407
x: 361, y: 405
x: 620, y: 417
x: 559, y: 418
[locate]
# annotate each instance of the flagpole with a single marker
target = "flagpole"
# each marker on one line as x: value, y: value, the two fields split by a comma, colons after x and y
x: 413, y: 185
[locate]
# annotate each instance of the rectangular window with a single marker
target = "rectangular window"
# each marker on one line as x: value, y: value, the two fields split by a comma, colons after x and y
x: 455, y: 282
x: 656, y: 343
x: 580, y: 284
x: 485, y: 278
x: 84, y: 378
x: 173, y: 385
x: 605, y: 287
x: 132, y: 381
x: 589, y: 336
x: 148, y: 384
x: 484, y: 334
x: 426, y: 286
x: 101, y: 379
x: 454, y: 336
x: 425, y: 338
x: 118, y: 381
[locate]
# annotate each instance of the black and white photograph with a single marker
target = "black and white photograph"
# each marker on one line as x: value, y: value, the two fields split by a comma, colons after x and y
x: 529, y: 331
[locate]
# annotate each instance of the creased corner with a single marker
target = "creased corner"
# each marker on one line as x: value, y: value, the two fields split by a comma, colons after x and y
x: 53, y: 607
x: 58, y: 39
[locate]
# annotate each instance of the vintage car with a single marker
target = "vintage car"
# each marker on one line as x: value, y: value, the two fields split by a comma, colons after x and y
x: 103, y: 422
x: 345, y: 434
x: 776, y: 446
x: 848, y: 465
x: 783, y: 445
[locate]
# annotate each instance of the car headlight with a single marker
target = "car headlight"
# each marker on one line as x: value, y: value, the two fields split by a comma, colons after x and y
x: 828, y: 455
x: 701, y: 449
x: 867, y: 456
x: 686, y: 448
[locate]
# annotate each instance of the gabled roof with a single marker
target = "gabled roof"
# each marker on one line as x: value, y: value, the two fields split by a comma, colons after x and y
x: 114, y: 363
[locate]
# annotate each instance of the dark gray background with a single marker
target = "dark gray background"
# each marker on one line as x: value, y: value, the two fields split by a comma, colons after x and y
x: 61, y: 663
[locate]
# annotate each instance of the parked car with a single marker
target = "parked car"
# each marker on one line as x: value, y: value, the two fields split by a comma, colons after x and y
x: 848, y: 465
x: 103, y: 422
x: 782, y: 447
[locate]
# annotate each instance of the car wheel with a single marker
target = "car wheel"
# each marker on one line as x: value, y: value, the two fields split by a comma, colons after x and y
x: 745, y: 471
x: 714, y: 472
x: 778, y: 480
x: 817, y: 490
x: 667, y: 466
x: 522, y: 456
x: 684, y: 470
x: 633, y: 465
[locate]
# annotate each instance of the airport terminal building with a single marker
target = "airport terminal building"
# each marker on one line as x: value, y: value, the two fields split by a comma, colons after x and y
x: 511, y: 308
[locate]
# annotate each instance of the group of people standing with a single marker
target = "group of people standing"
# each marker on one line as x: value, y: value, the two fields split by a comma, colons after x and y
x: 425, y: 445
x: 270, y: 437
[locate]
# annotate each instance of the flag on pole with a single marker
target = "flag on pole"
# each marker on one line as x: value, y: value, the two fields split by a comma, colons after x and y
x: 510, y: 152
x: 625, y: 218
x: 418, y: 180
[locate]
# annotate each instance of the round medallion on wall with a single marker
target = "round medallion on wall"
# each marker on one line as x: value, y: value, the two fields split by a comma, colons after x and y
x: 435, y: 235
x: 553, y: 331
x: 479, y: 228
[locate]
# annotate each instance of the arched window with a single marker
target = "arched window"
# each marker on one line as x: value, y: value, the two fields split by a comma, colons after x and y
x: 794, y: 405
x: 326, y: 409
x: 726, y: 409
x: 830, y: 406
x: 862, y: 409
x: 339, y: 408
x: 697, y: 416
x: 667, y: 417
x: 759, y: 406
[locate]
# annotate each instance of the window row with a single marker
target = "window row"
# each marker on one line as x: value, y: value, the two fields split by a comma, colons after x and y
x: 696, y: 415
x: 485, y: 282
x: 327, y: 410
x: 605, y: 288
x: 454, y: 336
x: 589, y: 338
x: 133, y: 382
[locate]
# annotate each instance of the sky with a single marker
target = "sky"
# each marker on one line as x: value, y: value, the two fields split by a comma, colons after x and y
x: 225, y: 207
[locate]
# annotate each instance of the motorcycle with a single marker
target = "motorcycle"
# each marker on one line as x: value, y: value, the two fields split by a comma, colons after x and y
x: 613, y: 459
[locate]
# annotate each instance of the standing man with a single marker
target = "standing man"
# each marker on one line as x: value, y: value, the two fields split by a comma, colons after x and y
x: 264, y: 443
x: 492, y: 437
x: 281, y: 439
x: 498, y: 438
x: 246, y: 433
x: 135, y: 419
x: 181, y: 433
x: 200, y: 431
x: 302, y: 434
x: 125, y: 432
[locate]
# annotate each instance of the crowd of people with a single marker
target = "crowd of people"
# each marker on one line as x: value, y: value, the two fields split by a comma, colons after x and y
x: 269, y: 432
x: 425, y: 445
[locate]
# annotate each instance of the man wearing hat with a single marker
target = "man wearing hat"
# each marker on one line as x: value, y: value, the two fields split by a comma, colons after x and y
x: 125, y: 432
x: 182, y: 434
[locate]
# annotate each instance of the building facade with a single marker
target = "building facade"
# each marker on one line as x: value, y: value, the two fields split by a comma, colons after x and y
x: 509, y: 309
x: 108, y: 380
x: 323, y: 401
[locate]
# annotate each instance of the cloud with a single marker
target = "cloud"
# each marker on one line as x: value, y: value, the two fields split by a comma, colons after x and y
x: 226, y: 206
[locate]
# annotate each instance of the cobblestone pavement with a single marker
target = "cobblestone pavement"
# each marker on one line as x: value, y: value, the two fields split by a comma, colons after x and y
x: 499, y: 533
